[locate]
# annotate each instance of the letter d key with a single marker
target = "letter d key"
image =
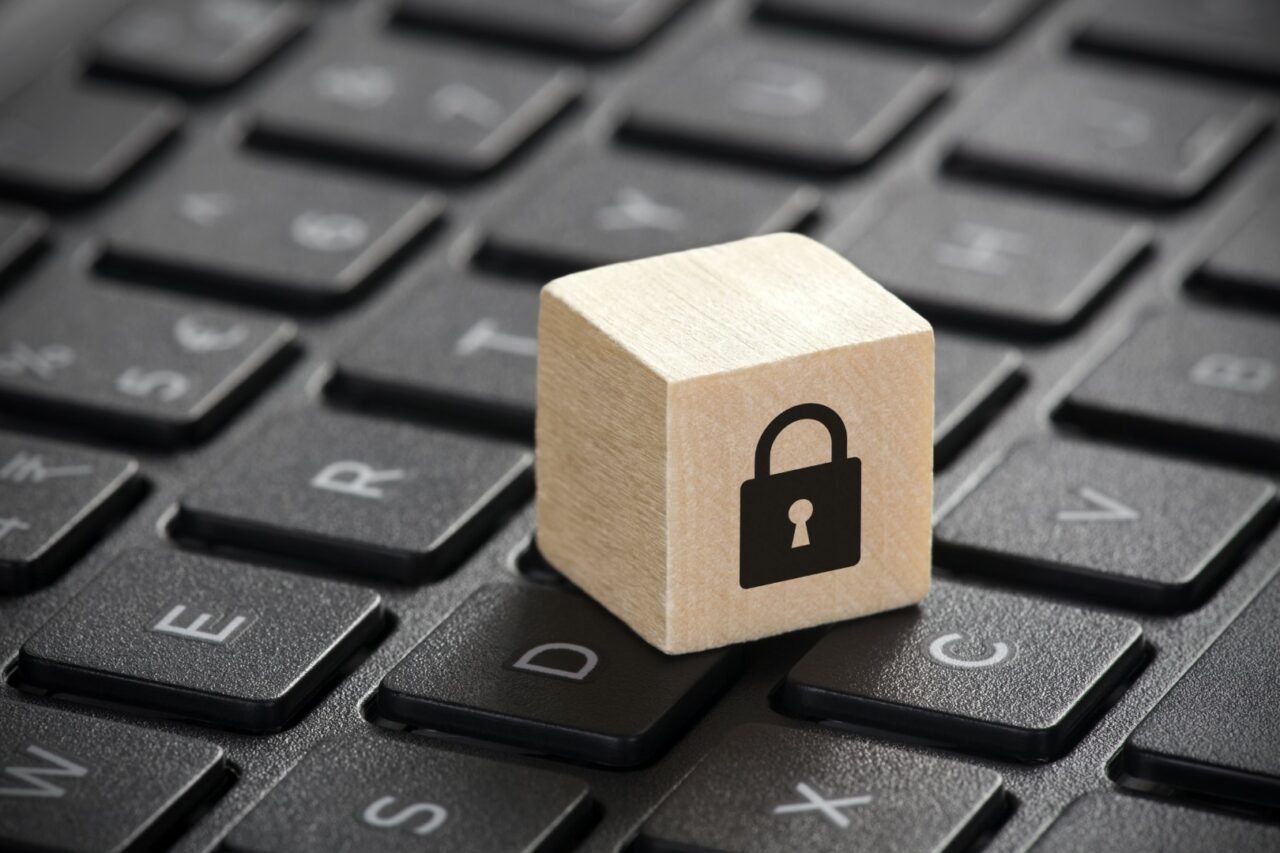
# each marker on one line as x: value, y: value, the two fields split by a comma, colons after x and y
x: 801, y: 522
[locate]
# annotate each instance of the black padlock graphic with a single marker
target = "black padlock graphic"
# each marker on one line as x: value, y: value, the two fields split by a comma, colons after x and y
x: 801, y: 522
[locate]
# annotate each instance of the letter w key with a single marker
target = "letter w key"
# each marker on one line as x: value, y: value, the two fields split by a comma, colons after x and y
x: 36, y: 779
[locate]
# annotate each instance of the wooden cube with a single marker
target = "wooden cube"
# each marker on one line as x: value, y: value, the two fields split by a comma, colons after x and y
x: 735, y: 441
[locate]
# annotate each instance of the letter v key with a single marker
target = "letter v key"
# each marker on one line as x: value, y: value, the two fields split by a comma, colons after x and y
x: 1107, y: 509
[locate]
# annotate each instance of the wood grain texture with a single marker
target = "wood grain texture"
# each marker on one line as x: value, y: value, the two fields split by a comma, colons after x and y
x: 656, y: 379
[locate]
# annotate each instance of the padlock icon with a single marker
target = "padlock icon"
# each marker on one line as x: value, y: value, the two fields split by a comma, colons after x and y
x: 805, y: 521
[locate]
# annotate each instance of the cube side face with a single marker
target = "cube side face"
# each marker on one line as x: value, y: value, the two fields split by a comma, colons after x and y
x: 601, y: 467
x: 738, y: 569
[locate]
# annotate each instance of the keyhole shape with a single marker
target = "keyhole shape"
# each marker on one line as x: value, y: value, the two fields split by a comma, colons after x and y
x: 799, y: 515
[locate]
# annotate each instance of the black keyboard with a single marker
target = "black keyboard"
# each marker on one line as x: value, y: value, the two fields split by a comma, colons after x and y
x: 268, y: 302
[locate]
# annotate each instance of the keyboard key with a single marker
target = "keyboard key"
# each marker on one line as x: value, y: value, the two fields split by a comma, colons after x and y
x: 433, y: 108
x: 552, y: 672
x: 63, y: 142
x: 398, y: 795
x: 971, y: 382
x: 1110, y: 821
x: 989, y: 672
x: 143, y: 368
x: 219, y: 642
x: 767, y: 788
x: 1237, y: 37
x: 587, y: 26
x: 607, y: 209
x: 1031, y: 269
x: 955, y: 24
x: 1118, y: 526
x: 21, y: 232
x: 366, y: 496
x: 1205, y: 382
x: 53, y: 499
x: 75, y: 784
x: 1132, y: 138
x: 1215, y: 731
x: 802, y: 103
x: 465, y: 346
x: 196, y: 45
x: 262, y: 231
x: 1247, y: 265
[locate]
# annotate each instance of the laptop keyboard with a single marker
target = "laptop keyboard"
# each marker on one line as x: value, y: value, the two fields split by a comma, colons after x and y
x: 268, y: 301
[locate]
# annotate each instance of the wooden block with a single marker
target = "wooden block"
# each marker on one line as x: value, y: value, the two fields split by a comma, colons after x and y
x: 657, y: 381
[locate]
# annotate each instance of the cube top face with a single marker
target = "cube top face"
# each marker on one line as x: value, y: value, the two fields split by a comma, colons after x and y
x: 735, y: 306
x: 735, y: 442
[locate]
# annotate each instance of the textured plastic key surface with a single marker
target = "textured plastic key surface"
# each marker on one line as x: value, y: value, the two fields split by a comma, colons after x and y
x: 367, y: 496
x: 74, y: 784
x: 787, y: 102
x: 1247, y: 264
x: 1110, y: 821
x: 605, y: 209
x: 1134, y: 138
x: 551, y: 671
x: 380, y: 793
x: 1031, y: 268
x: 972, y: 669
x: 63, y: 141
x: 245, y: 228
x: 53, y: 499
x: 1121, y: 527
x: 464, y: 346
x: 1205, y: 382
x: 766, y: 789
x: 223, y: 643
x: 1237, y: 38
x: 142, y: 367
x: 201, y: 45
x: 433, y: 108
x: 1215, y: 731
x: 957, y: 24
x: 590, y: 27
x: 971, y: 381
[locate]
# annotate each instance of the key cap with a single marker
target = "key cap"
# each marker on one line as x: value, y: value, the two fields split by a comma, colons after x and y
x: 972, y: 381
x: 587, y: 26
x: 1204, y: 382
x: 209, y: 640
x: 988, y: 672
x: 241, y: 228
x: 1131, y: 138
x: 550, y: 671
x: 53, y: 500
x: 64, y: 142
x: 1110, y: 821
x: 142, y: 368
x: 366, y: 496
x: 430, y: 108
x: 200, y: 45
x: 954, y: 24
x: 1215, y: 731
x: 608, y: 209
x: 464, y: 346
x: 21, y: 232
x: 398, y: 795
x: 1237, y: 37
x: 76, y: 784
x: 1029, y: 269
x: 767, y: 788
x: 788, y: 101
x: 1247, y: 264
x: 1120, y: 527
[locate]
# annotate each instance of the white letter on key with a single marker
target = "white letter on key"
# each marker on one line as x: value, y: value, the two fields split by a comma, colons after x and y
x: 355, y: 478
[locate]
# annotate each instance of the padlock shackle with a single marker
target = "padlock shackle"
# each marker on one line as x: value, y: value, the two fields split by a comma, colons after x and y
x: 803, y: 412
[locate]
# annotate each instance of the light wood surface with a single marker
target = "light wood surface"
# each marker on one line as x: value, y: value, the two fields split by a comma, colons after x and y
x: 656, y: 379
